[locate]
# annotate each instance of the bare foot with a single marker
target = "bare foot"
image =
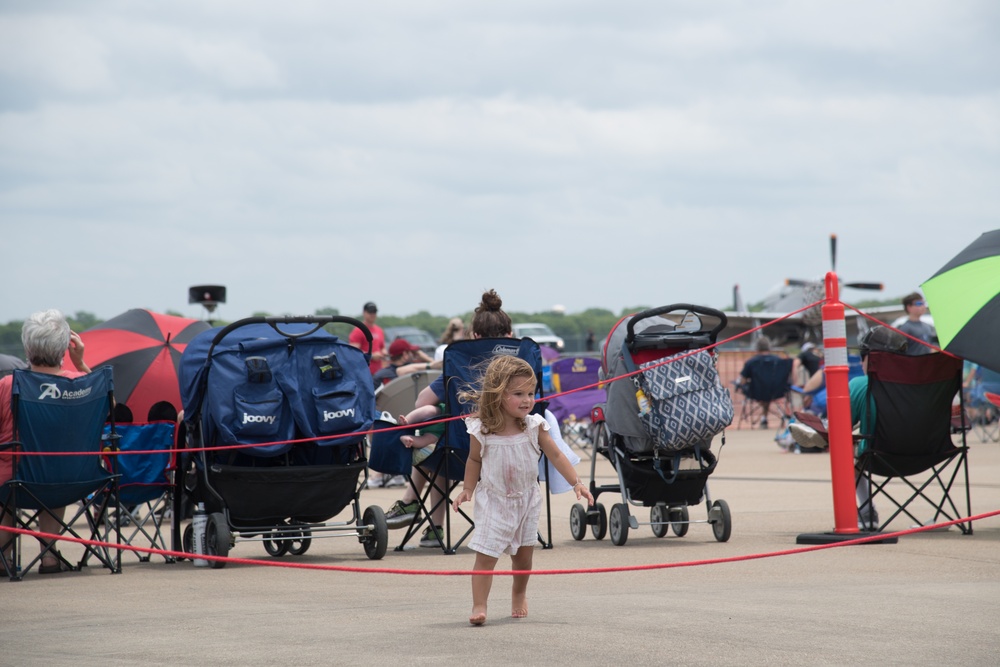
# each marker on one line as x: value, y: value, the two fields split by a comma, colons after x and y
x: 519, y: 607
x: 478, y: 616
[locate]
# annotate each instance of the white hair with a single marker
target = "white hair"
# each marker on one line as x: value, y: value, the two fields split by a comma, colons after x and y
x: 45, y: 336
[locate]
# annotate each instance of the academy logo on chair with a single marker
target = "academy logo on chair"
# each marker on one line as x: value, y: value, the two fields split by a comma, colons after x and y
x: 50, y: 390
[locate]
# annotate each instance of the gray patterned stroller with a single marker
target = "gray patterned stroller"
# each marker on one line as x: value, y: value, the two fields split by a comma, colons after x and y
x: 657, y: 426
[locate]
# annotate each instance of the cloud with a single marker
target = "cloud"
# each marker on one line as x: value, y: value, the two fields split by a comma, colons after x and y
x: 314, y: 154
x: 53, y: 53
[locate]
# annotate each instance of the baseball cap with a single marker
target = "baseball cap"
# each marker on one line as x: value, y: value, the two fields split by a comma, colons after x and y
x: 401, y: 345
x: 808, y: 346
x: 370, y: 307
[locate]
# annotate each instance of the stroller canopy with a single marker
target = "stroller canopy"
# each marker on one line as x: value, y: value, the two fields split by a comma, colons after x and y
x: 261, y: 384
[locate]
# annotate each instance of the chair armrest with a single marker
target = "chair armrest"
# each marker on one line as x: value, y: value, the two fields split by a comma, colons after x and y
x: 13, y: 445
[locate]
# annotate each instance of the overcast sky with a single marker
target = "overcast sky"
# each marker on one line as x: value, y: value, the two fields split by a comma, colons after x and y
x: 311, y: 154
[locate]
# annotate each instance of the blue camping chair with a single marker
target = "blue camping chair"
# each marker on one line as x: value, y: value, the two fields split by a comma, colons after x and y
x: 55, y: 414
x: 145, y: 463
x: 445, y: 468
x: 765, y: 389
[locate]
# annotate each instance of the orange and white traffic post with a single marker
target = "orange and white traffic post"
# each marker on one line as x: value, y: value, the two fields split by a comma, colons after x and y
x: 838, y: 407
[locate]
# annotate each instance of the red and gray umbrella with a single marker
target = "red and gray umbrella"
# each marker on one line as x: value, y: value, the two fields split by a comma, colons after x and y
x: 144, y: 348
x: 964, y: 298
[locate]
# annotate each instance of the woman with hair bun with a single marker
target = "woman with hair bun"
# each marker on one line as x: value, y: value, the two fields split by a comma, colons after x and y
x: 488, y: 321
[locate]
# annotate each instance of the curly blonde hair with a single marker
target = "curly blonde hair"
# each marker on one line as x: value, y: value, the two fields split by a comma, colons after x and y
x: 500, y: 373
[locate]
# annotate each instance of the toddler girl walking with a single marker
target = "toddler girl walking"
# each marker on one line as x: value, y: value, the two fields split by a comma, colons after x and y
x: 506, y: 441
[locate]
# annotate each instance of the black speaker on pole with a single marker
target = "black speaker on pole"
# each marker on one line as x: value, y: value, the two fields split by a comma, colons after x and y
x: 207, y: 295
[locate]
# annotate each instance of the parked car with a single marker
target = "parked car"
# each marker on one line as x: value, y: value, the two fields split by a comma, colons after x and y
x: 418, y: 337
x: 540, y: 333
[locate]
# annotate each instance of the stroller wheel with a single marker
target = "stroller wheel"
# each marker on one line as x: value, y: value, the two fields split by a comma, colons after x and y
x: 275, y: 546
x: 578, y: 522
x: 722, y: 520
x: 658, y: 520
x: 679, y: 520
x: 217, y: 538
x: 618, y: 524
x: 377, y: 539
x: 599, y: 528
x: 299, y: 541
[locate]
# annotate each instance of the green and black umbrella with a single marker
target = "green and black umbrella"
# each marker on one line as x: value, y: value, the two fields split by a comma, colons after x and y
x: 964, y: 298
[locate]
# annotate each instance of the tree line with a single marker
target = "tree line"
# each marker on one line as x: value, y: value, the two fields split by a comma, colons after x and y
x: 573, y: 328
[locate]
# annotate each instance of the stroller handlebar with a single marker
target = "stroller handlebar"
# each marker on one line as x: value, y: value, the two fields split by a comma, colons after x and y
x: 274, y: 322
x: 653, y: 312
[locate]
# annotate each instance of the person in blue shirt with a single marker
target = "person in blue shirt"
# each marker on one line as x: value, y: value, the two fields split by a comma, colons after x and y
x: 915, y: 307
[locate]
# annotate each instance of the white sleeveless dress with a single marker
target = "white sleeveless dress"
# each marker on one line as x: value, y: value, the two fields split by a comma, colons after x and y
x: 508, y: 500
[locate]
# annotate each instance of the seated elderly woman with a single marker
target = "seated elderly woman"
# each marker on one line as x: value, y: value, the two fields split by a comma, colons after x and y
x: 46, y: 337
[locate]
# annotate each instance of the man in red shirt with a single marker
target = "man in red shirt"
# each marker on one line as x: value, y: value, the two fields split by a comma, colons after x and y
x: 357, y: 338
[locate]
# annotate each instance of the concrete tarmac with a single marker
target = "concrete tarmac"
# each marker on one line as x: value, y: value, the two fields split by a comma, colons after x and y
x: 931, y: 599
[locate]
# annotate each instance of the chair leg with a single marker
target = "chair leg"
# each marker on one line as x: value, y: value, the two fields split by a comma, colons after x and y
x: 944, y: 506
x: 8, y: 546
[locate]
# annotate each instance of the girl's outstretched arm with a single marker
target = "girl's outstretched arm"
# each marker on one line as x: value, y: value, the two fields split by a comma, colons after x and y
x: 472, y: 469
x: 561, y: 463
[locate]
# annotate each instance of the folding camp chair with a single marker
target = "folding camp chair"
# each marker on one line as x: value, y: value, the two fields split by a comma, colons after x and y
x: 579, y: 376
x: 988, y: 424
x: 444, y: 469
x: 399, y: 396
x: 58, y: 436
x: 982, y: 398
x: 766, y: 390
x: 913, y: 439
x: 145, y: 488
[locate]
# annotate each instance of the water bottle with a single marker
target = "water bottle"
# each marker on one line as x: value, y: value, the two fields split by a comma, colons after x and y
x: 643, y: 402
x: 198, y: 523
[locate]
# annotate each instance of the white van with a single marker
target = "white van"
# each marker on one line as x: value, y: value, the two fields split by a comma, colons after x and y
x: 540, y: 333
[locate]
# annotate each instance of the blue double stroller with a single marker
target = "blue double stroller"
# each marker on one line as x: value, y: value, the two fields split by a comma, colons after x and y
x: 282, y: 408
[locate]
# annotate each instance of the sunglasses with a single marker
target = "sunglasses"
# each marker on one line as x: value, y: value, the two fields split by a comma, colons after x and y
x: 919, y: 303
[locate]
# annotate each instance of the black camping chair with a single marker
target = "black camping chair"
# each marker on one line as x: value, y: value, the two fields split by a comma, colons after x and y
x: 58, y: 415
x: 914, y: 438
x: 766, y: 390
